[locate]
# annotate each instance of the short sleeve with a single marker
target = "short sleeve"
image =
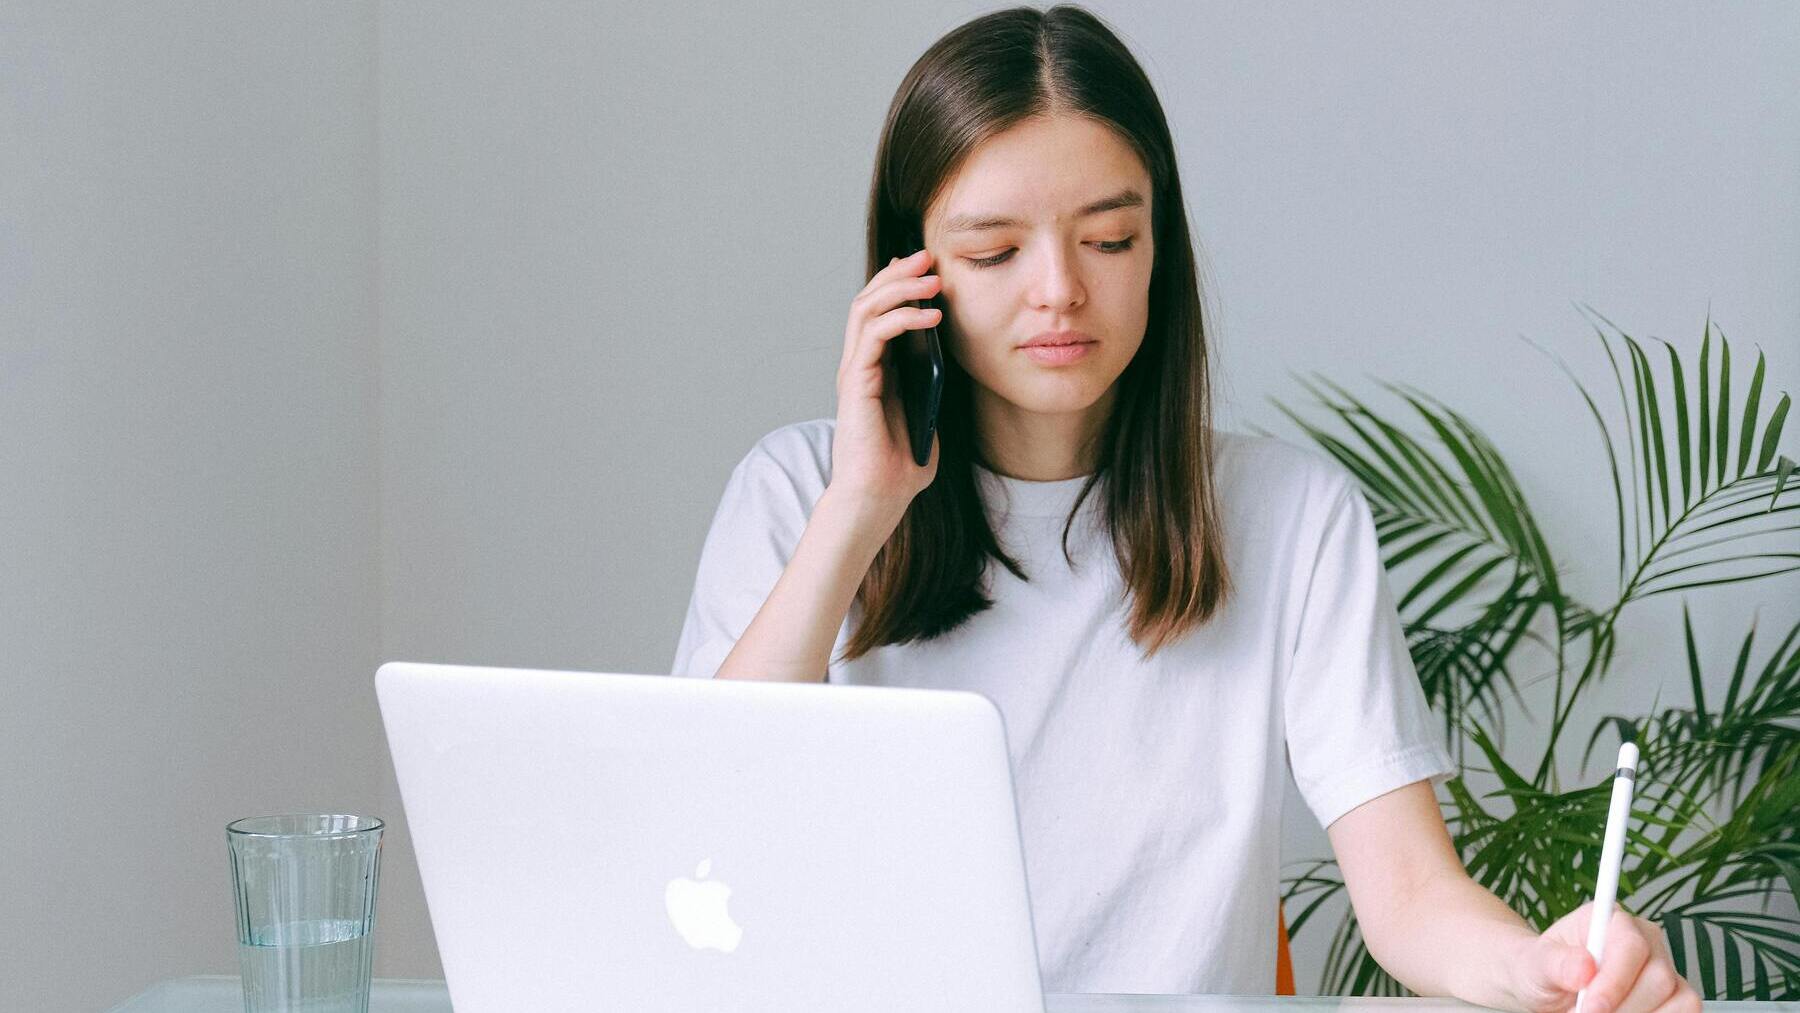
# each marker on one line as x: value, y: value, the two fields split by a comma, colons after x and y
x: 754, y: 533
x: 1357, y: 722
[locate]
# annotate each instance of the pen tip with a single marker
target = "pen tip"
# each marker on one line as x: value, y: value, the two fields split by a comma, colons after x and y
x: 1628, y: 757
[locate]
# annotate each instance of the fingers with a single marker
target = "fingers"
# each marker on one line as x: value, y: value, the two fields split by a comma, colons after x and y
x: 900, y: 269
x: 898, y: 295
x: 1685, y: 1000
x: 912, y: 261
x: 1621, y: 962
x: 1681, y: 997
x: 1656, y: 984
x: 891, y: 286
x: 887, y: 327
x: 1574, y: 970
x: 902, y: 289
x: 882, y: 296
x: 866, y: 370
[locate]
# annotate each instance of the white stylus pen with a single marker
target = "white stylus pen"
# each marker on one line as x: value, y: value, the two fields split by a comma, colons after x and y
x: 1612, y: 851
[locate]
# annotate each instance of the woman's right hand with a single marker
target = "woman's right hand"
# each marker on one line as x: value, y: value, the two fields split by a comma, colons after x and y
x: 871, y: 453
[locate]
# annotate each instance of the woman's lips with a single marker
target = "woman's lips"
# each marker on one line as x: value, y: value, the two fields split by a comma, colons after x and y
x: 1058, y: 355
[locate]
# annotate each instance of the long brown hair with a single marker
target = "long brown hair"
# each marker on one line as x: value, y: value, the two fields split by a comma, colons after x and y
x: 1155, y: 454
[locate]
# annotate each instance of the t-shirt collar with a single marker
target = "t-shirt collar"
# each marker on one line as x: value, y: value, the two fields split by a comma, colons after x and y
x: 1020, y: 498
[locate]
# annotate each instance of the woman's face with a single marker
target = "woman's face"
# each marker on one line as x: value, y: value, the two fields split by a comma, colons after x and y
x: 1052, y: 269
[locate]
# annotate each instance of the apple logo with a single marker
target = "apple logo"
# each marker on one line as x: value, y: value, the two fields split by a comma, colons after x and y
x: 697, y: 909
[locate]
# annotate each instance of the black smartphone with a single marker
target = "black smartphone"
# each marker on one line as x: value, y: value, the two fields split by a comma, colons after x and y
x: 921, y: 373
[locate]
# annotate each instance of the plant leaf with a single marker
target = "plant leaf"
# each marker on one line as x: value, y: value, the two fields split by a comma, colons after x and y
x: 1650, y: 419
x: 1747, y: 437
x: 1681, y: 420
x: 1705, y: 438
x: 1772, y: 433
x: 1693, y: 657
x: 1724, y: 426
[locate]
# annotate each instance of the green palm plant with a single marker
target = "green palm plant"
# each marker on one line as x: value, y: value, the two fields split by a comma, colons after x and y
x: 1716, y: 819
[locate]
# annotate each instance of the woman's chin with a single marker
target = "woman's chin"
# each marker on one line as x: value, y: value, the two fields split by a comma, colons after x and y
x: 1058, y: 396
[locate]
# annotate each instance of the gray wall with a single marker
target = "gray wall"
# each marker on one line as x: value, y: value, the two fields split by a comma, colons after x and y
x: 189, y: 529
x: 415, y: 331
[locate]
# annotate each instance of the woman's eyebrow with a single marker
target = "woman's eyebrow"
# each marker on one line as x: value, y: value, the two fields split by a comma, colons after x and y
x: 1127, y: 198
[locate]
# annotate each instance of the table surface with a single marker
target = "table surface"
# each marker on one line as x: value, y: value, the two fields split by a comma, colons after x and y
x: 223, y: 994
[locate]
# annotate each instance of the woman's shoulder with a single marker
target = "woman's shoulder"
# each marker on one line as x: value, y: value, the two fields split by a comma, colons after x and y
x: 1257, y: 470
x: 798, y: 451
x: 806, y: 443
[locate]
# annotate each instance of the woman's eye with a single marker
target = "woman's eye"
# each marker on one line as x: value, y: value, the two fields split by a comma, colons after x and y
x: 1105, y: 247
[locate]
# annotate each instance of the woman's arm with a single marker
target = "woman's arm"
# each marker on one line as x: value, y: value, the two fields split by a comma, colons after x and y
x: 1438, y: 932
x: 791, y: 637
x: 1397, y: 858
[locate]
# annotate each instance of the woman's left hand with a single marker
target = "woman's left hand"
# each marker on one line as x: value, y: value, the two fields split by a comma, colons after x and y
x: 1636, y: 973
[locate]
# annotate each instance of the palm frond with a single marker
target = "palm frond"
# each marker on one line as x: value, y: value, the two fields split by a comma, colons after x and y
x: 1724, y: 749
x: 1463, y: 668
x: 1774, y: 971
x: 1707, y: 479
x: 1742, y: 858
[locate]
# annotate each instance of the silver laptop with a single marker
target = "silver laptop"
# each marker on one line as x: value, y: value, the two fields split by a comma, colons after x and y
x: 643, y: 842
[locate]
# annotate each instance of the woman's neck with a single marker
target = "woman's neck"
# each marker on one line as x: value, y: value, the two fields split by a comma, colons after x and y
x: 1035, y: 447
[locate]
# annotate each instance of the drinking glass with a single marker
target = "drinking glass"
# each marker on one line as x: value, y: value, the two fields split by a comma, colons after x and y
x: 305, y: 889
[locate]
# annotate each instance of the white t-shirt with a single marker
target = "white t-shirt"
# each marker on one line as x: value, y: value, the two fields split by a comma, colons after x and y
x: 1149, y: 792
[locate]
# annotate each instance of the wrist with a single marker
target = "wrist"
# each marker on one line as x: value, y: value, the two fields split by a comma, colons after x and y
x: 864, y: 522
x: 1492, y: 944
x: 1502, y: 986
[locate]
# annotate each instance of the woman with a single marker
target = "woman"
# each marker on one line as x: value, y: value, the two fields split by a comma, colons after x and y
x: 1164, y: 614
